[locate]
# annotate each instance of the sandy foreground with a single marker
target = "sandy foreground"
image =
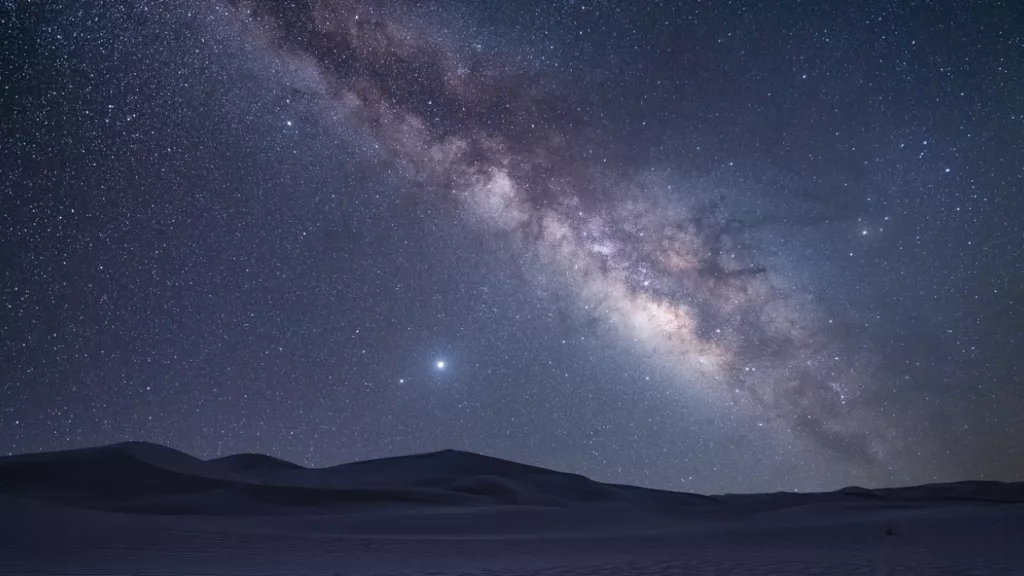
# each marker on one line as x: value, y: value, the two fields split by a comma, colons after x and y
x: 45, y: 532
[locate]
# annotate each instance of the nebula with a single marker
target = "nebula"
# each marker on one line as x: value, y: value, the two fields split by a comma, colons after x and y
x: 674, y: 276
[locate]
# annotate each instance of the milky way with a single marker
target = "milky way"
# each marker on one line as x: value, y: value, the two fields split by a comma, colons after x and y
x: 673, y: 274
x: 703, y: 246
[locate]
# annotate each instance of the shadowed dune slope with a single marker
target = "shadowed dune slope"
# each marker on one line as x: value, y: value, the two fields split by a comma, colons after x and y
x: 149, y: 478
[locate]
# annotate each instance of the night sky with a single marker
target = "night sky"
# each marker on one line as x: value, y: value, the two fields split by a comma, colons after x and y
x: 704, y: 246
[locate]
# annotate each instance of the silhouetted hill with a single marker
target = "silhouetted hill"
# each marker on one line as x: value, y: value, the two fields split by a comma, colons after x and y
x: 242, y: 463
x: 143, y: 477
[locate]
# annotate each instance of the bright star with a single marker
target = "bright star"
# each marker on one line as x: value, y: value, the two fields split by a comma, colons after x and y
x: 440, y: 364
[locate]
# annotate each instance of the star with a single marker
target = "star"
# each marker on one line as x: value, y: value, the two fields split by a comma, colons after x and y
x: 427, y: 181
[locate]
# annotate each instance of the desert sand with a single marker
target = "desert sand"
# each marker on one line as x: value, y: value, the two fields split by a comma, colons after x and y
x: 143, y: 509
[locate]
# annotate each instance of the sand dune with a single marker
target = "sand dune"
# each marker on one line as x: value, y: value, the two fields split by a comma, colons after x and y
x: 145, y: 509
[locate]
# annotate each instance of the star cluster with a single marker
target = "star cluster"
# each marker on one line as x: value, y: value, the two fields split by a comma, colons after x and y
x: 702, y: 247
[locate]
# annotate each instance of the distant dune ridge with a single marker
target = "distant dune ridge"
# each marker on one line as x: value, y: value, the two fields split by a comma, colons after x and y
x: 149, y: 478
x: 141, y: 508
x: 145, y: 477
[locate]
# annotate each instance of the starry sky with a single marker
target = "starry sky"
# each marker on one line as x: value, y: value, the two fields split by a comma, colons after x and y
x: 704, y: 246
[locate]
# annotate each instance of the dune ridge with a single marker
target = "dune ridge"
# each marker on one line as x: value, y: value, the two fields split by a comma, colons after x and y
x: 143, y: 509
